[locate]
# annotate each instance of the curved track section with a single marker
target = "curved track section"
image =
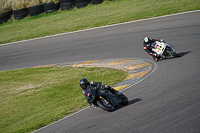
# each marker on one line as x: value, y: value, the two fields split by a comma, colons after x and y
x: 167, y: 101
x: 137, y: 69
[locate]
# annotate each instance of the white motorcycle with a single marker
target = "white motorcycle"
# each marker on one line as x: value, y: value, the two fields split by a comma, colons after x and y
x: 164, y: 50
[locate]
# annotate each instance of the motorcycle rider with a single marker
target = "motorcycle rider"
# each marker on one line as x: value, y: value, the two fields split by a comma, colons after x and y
x: 147, y: 47
x: 87, y: 86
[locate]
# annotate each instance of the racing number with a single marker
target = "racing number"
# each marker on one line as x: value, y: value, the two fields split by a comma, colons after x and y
x: 160, y: 47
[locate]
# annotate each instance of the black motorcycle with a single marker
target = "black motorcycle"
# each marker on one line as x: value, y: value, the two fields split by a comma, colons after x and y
x: 105, y: 99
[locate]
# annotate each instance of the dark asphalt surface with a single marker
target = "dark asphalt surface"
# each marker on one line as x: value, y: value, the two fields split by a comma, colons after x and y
x: 168, y: 101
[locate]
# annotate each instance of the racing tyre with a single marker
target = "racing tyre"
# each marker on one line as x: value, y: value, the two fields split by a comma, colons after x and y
x: 95, y: 2
x: 124, y: 100
x: 171, y: 53
x: 50, y: 7
x: 36, y: 10
x: 4, y: 17
x: 20, y: 13
x: 80, y: 4
x: 105, y: 106
x: 67, y: 4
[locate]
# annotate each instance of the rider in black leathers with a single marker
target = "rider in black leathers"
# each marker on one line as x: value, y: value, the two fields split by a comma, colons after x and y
x: 147, y: 47
x: 86, y: 86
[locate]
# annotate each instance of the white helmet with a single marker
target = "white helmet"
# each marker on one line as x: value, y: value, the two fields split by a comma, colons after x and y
x: 147, y: 40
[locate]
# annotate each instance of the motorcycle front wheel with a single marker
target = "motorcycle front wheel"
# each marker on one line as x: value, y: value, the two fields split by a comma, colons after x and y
x: 105, y: 105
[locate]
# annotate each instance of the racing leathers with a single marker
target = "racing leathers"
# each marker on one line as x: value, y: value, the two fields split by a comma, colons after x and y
x: 93, y: 85
x: 148, y: 48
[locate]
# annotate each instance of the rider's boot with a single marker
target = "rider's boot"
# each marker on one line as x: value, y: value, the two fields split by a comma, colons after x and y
x: 156, y: 58
x: 94, y: 105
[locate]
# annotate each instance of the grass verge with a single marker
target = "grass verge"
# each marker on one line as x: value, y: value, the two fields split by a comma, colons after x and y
x: 34, y: 97
x: 91, y: 16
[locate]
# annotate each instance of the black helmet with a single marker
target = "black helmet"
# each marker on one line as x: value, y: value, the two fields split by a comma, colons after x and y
x: 83, y: 83
x: 147, y: 40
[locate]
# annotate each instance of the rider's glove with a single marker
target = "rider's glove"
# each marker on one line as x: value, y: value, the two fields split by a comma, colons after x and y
x: 162, y: 40
x: 93, y: 83
x: 155, y: 54
x: 105, y: 87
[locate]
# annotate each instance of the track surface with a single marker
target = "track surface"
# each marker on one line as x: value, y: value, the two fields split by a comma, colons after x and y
x: 168, y: 101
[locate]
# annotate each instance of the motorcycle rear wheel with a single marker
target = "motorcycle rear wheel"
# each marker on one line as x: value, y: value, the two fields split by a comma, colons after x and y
x: 124, y: 100
x: 108, y: 107
x: 171, y: 53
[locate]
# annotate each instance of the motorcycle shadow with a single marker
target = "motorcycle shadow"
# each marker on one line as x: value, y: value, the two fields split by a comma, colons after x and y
x: 183, y: 53
x: 179, y: 56
x: 129, y: 103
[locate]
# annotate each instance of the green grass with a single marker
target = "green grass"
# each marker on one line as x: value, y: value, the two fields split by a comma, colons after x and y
x: 91, y: 16
x: 32, y: 98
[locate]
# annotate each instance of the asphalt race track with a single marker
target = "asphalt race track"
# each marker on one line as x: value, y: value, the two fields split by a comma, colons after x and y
x: 168, y: 101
